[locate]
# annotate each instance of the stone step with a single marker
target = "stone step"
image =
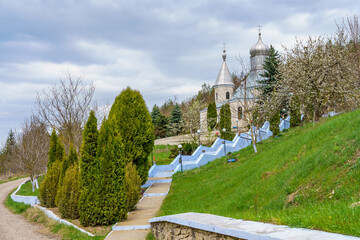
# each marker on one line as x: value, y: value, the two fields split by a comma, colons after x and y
x: 164, y: 174
x: 133, y: 227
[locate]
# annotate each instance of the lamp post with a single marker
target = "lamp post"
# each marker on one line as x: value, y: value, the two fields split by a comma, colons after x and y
x: 224, y: 130
x: 237, y: 125
x: 180, y: 160
x: 198, y: 133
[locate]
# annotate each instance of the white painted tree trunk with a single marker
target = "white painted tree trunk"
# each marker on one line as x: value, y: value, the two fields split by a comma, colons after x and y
x: 34, y: 184
x: 254, y: 146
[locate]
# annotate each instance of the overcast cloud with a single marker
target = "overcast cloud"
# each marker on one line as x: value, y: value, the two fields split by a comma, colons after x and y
x: 162, y: 48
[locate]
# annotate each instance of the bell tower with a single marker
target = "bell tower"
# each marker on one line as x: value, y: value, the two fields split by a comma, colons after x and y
x: 224, y: 86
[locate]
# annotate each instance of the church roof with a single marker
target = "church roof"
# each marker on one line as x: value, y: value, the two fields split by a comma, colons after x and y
x: 259, y: 48
x: 224, y: 76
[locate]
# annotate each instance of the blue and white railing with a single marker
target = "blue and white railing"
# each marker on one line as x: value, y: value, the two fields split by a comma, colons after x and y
x: 220, y: 148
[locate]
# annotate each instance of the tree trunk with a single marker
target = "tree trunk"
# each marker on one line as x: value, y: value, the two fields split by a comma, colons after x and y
x: 254, y: 146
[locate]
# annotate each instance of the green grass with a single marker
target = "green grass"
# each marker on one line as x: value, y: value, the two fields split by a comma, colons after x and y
x: 161, y: 154
x: 150, y: 236
x: 62, y: 230
x: 15, y: 207
x: 308, y: 178
x: 26, y: 189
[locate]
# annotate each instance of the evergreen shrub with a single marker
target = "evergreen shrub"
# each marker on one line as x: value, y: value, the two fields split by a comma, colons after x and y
x: 274, y: 124
x: 89, y: 209
x: 132, y: 186
x: 131, y: 120
x: 68, y: 195
x: 49, y: 187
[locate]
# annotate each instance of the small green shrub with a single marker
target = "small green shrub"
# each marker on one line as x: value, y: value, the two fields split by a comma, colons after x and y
x: 132, y: 185
x: 48, y: 188
x: 274, y: 124
x: 174, y: 151
x: 68, y: 195
x: 188, y: 148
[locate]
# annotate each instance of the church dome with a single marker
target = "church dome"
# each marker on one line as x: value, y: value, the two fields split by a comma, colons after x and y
x: 224, y: 76
x: 259, y: 48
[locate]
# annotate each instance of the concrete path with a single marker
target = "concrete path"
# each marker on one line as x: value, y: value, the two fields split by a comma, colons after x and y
x: 15, y: 227
x: 137, y: 226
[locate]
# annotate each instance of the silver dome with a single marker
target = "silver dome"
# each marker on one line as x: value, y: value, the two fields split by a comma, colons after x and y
x: 259, y: 48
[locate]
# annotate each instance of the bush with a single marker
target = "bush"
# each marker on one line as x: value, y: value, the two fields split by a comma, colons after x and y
x: 68, y: 162
x: 48, y: 188
x: 132, y: 186
x: 68, y: 195
x: 188, y: 148
x: 174, y: 151
x: 274, y: 124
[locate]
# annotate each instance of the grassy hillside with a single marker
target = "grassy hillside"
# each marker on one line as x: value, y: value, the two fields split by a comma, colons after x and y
x: 308, y: 177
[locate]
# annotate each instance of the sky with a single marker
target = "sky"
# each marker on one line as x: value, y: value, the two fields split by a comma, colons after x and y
x: 165, y: 49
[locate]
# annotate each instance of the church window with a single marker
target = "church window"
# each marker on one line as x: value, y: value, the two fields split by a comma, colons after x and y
x: 216, y: 96
x: 227, y: 95
x: 240, y: 112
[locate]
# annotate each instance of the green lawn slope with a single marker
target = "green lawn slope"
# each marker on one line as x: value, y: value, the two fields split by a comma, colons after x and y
x: 308, y: 177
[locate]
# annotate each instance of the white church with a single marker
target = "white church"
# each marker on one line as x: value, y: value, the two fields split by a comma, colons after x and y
x: 224, y: 86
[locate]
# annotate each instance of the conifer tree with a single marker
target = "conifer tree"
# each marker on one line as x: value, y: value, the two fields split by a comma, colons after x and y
x: 225, y: 121
x: 7, y: 151
x: 274, y: 123
x: 68, y: 195
x: 211, y: 115
x: 175, y: 120
x: 68, y: 162
x: 112, y: 190
x: 89, y: 173
x: 49, y: 187
x: 271, y: 73
x: 159, y: 121
x: 130, y: 118
x: 53, y: 148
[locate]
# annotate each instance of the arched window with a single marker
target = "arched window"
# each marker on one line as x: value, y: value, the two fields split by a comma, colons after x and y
x: 216, y: 96
x: 239, y: 112
x: 227, y: 95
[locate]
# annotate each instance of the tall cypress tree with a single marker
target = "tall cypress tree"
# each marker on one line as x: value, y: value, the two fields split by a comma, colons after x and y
x: 225, y: 121
x: 53, y: 148
x: 49, y: 187
x: 113, y: 202
x: 89, y: 173
x: 211, y: 115
x: 68, y: 162
x: 131, y: 119
x: 271, y: 73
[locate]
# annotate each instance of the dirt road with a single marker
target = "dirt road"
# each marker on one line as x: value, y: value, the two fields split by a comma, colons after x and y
x: 15, y: 227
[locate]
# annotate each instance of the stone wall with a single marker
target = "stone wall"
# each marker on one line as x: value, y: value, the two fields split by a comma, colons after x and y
x: 171, y: 231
